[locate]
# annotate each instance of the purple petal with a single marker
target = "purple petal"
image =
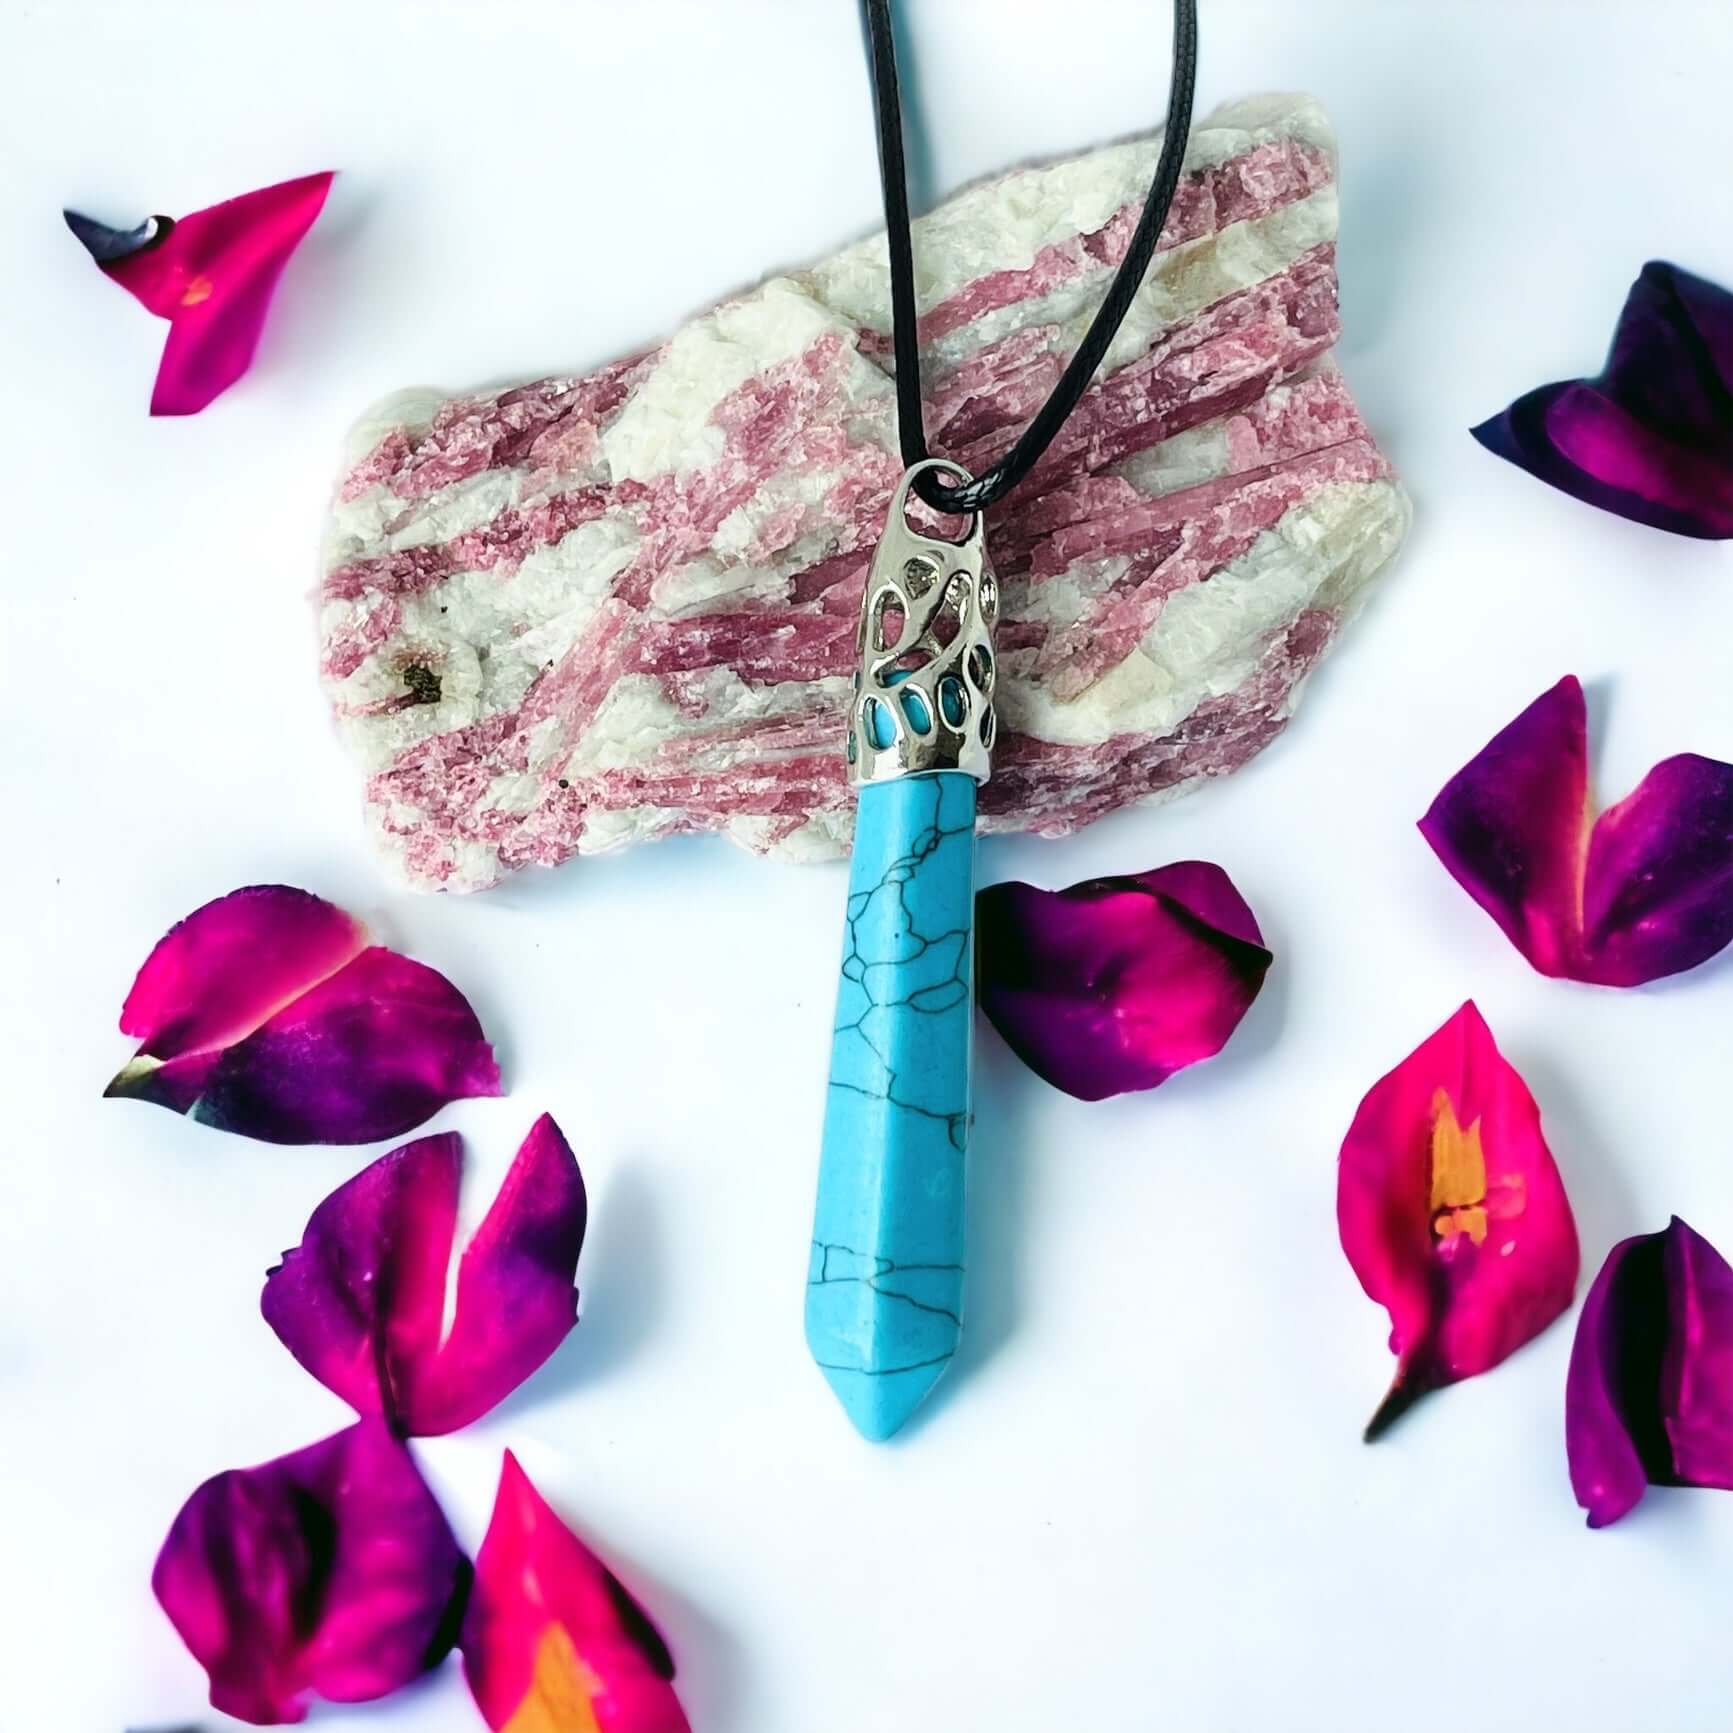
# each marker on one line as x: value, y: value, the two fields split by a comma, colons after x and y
x: 1646, y: 891
x: 1117, y: 983
x: 327, y: 1573
x: 1658, y: 894
x: 1649, y: 1398
x: 360, y: 1302
x: 516, y: 1301
x: 371, y: 1053
x: 1613, y: 1434
x: 1511, y: 825
x: 362, y: 1298
x: 1652, y: 438
x: 1671, y: 364
x: 266, y: 1013
x: 1697, y: 1372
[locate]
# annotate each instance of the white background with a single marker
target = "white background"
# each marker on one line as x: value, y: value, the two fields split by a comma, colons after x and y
x: 1140, y: 1502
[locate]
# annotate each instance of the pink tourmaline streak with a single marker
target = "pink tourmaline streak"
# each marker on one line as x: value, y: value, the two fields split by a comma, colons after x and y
x: 1645, y: 890
x: 552, y: 1640
x: 1117, y: 983
x: 212, y: 276
x: 267, y: 1013
x: 1649, y: 1399
x: 328, y: 1573
x: 1452, y: 1213
x: 361, y: 1301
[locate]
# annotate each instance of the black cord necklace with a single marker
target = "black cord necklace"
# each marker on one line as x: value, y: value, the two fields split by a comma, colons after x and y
x: 996, y: 482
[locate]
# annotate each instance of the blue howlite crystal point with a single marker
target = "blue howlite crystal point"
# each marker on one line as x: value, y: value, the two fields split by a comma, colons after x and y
x: 884, y: 1297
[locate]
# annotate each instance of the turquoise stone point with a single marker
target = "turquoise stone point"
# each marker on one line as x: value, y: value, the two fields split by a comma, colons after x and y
x: 884, y: 1297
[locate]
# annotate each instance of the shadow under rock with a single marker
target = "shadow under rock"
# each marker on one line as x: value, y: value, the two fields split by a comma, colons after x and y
x: 997, y: 1219
x: 624, y: 1293
x: 1384, y: 209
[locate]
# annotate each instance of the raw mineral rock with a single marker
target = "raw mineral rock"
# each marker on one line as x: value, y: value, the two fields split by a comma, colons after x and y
x: 597, y: 610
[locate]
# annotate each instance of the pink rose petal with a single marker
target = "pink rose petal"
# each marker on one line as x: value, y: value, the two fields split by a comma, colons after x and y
x: 1649, y: 1400
x: 212, y: 276
x: 1117, y: 983
x: 1452, y: 1212
x: 1652, y: 437
x: 266, y: 1013
x: 552, y: 1642
x: 1643, y: 892
x: 217, y: 975
x: 327, y: 1573
x: 361, y: 1301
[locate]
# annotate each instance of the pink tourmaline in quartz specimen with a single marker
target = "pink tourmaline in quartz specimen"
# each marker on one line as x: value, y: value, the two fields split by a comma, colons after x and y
x: 593, y: 611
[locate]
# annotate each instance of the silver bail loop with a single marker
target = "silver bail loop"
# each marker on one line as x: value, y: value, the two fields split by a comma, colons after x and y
x: 923, y: 691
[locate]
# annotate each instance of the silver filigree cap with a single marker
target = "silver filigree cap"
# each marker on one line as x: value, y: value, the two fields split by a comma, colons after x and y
x: 923, y: 692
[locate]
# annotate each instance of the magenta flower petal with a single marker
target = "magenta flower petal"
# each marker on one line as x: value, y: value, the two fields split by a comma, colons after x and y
x: 361, y: 1301
x: 1615, y: 1445
x: 217, y: 975
x: 327, y: 1573
x: 1652, y: 438
x: 1649, y: 1399
x: 1452, y: 1213
x: 1645, y: 891
x: 268, y: 1014
x: 212, y: 276
x: 552, y: 1641
x: 1116, y: 983
x: 372, y: 1052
